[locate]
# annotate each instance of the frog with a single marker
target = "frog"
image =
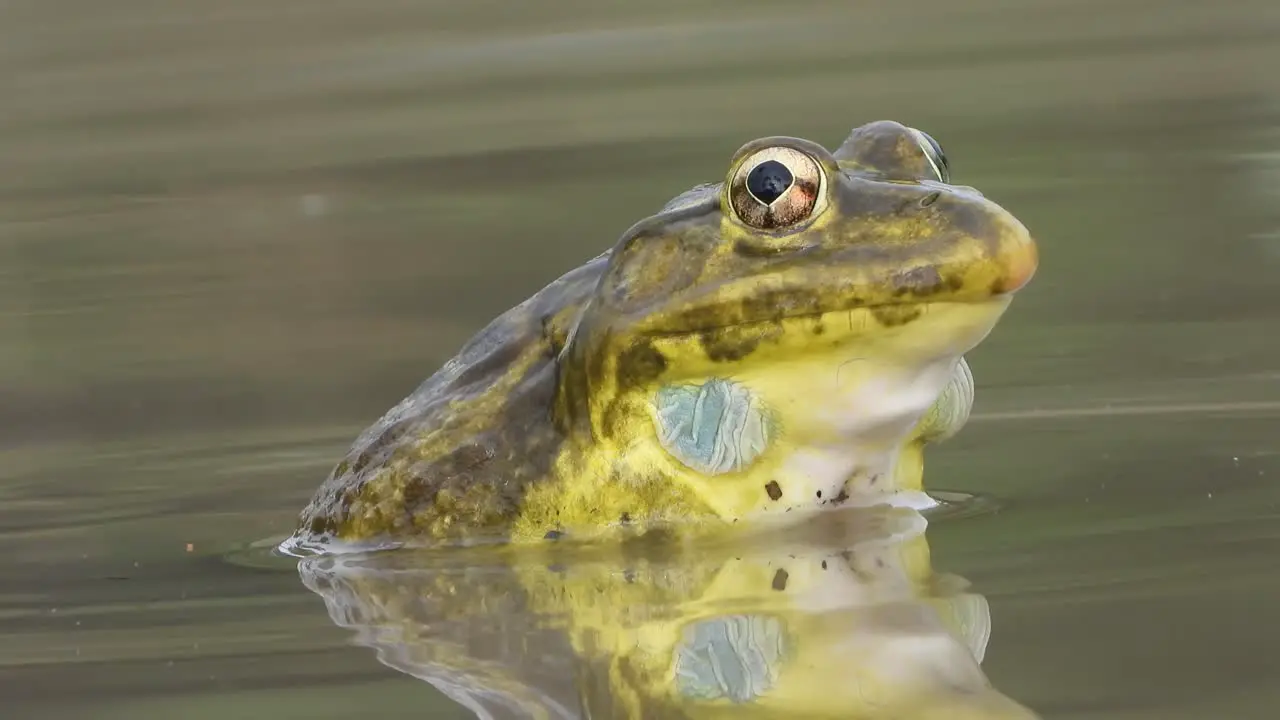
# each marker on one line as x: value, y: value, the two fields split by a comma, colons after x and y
x: 780, y: 343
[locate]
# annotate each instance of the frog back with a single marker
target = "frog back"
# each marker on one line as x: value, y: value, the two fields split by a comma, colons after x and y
x: 455, y: 457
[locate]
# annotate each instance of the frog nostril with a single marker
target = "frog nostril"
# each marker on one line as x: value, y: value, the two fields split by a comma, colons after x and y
x: 930, y: 199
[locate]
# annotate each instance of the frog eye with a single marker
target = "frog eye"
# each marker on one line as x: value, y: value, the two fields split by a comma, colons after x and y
x: 776, y: 188
x: 933, y: 153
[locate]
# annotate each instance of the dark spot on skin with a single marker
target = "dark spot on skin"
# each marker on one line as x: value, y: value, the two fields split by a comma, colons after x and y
x: 616, y: 416
x: 553, y: 535
x: 554, y: 335
x: 703, y: 317
x: 417, y: 492
x: 471, y: 456
x: 841, y: 498
x: 320, y: 525
x: 879, y: 562
x: 626, y: 518
x: 819, y: 494
x: 727, y: 344
x: 896, y: 315
x: 998, y: 286
x: 557, y: 568
x: 639, y: 364
x: 774, y: 490
x: 777, y: 304
x: 819, y: 328
x: 362, y: 461
x: 780, y: 580
x: 629, y: 575
x: 874, y: 479
x: 918, y: 281
x: 824, y: 564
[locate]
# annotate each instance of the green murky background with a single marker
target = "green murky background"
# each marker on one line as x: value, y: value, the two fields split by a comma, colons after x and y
x: 233, y: 233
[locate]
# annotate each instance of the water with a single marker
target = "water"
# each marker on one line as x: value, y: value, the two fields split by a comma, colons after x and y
x: 232, y: 235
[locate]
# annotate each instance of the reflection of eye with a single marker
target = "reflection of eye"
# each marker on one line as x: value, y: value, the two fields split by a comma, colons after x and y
x: 933, y: 153
x: 775, y: 188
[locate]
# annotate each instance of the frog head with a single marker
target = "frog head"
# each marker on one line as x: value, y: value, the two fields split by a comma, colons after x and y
x: 773, y: 342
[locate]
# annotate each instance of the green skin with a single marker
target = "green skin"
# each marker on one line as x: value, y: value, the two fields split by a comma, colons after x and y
x: 549, y: 404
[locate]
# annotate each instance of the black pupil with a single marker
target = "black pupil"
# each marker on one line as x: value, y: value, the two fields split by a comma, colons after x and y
x: 768, y: 180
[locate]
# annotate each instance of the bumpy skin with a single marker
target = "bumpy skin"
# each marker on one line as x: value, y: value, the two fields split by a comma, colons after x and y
x: 735, y: 356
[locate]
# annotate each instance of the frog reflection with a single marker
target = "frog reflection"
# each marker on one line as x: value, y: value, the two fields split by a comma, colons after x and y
x: 843, y: 617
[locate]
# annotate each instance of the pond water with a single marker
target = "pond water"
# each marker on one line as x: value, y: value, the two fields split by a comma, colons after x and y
x: 232, y: 234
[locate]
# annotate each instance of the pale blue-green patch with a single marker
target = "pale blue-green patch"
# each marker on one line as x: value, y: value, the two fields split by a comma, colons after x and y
x: 716, y: 427
x: 734, y: 657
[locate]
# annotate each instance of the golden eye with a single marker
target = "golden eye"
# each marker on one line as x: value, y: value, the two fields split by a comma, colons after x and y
x: 933, y: 153
x: 776, y: 187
